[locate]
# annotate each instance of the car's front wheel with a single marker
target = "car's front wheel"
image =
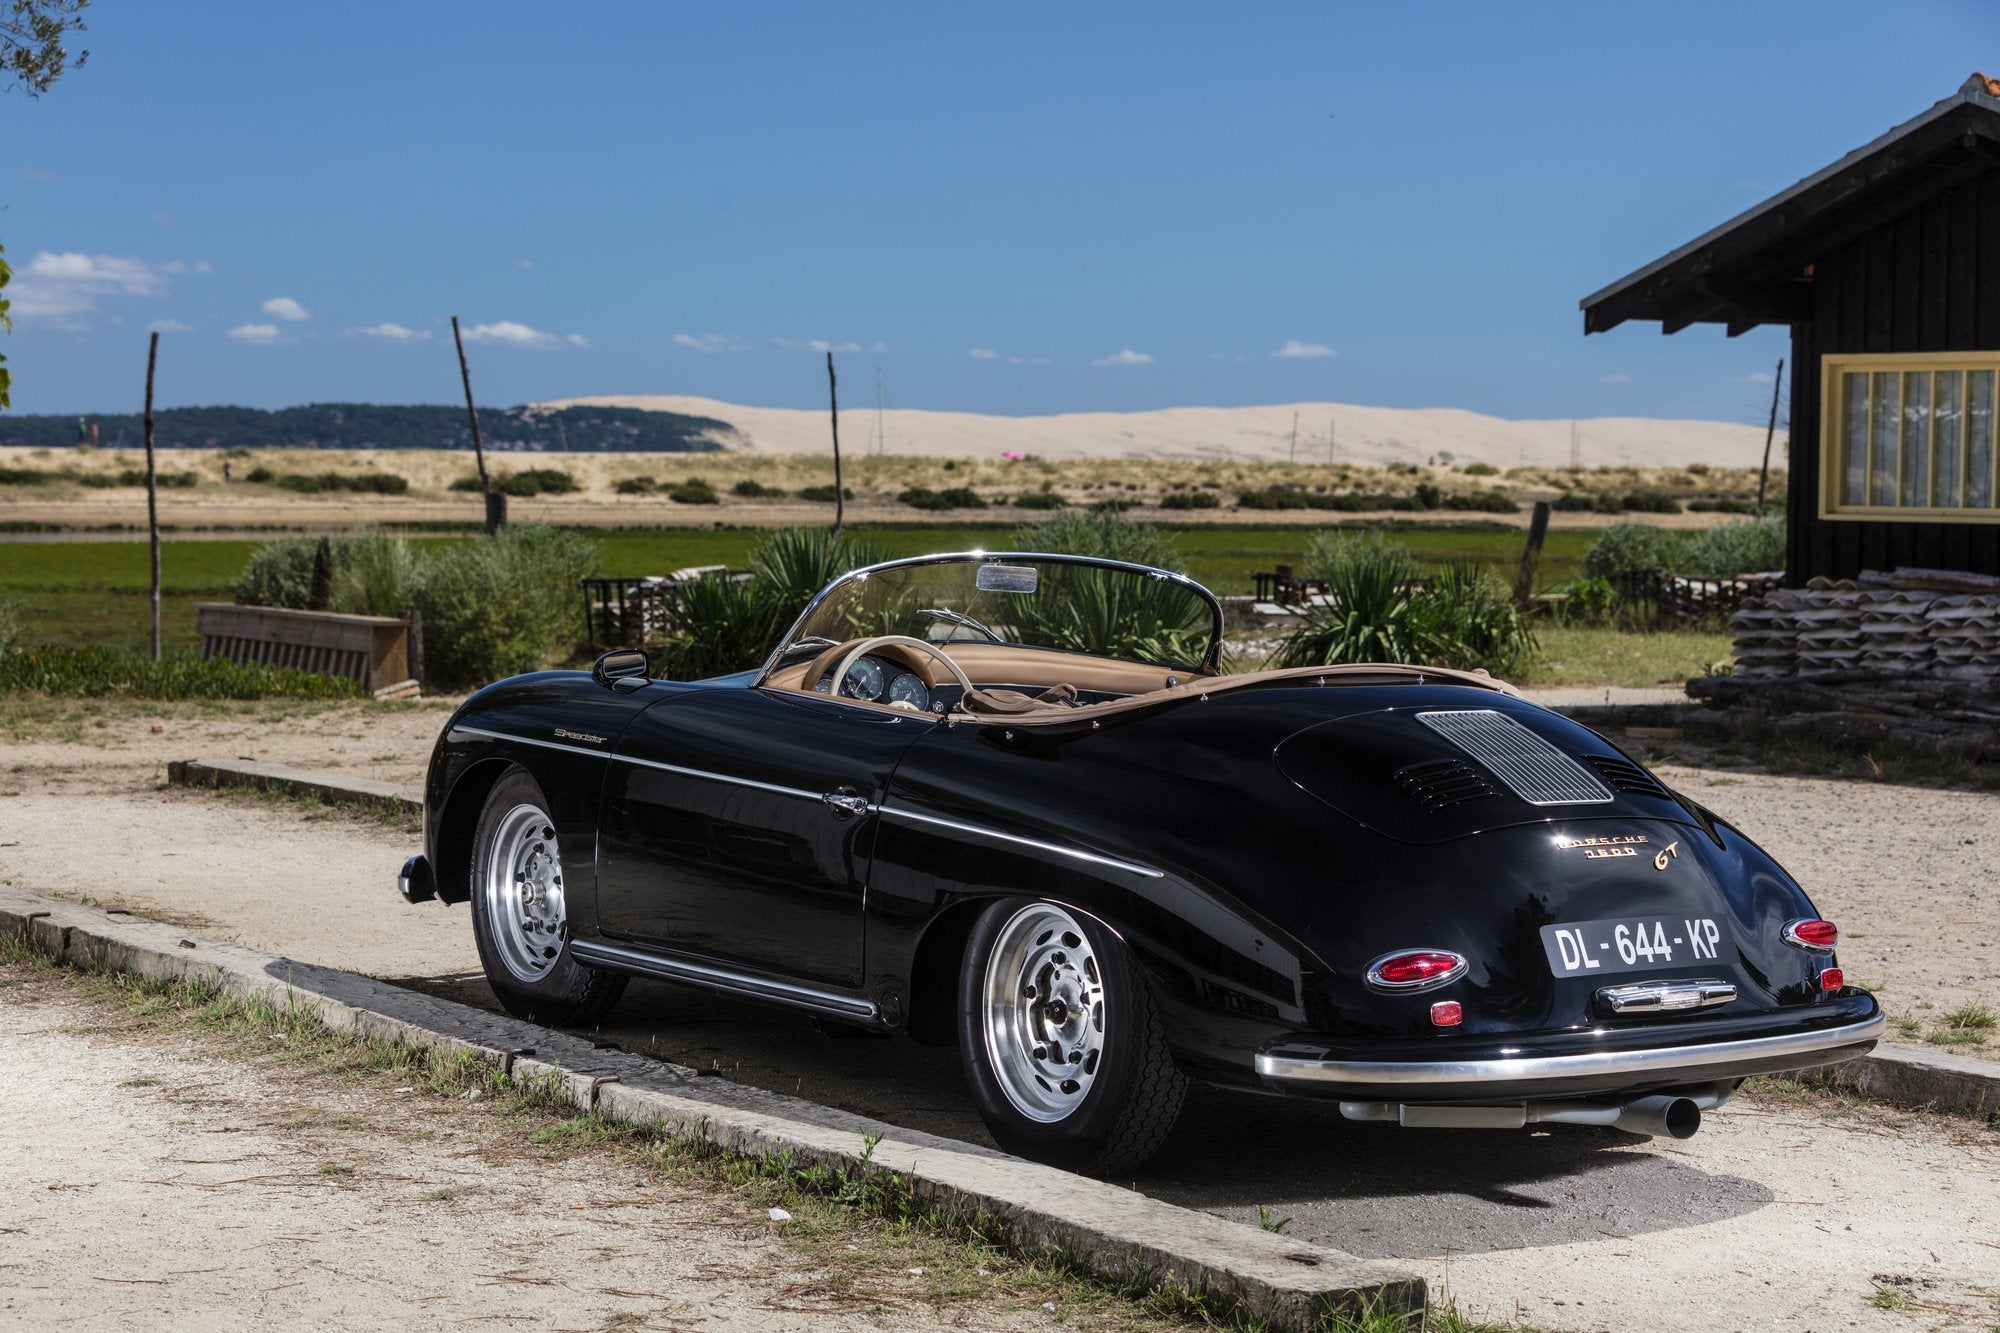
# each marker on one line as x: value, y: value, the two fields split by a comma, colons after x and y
x: 1062, y: 1045
x: 519, y: 915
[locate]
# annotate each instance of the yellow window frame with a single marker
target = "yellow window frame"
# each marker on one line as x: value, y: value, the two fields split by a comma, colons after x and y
x: 1834, y: 372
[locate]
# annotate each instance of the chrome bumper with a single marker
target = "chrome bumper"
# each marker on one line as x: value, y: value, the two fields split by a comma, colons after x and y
x: 1445, y: 1075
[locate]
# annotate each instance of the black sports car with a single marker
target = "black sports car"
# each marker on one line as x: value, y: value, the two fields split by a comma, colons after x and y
x: 1008, y: 802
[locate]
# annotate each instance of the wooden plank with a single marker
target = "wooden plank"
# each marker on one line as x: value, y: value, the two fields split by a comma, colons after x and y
x: 1905, y: 322
x: 1962, y: 296
x: 1880, y: 290
x: 1934, y: 294
x: 1986, y: 262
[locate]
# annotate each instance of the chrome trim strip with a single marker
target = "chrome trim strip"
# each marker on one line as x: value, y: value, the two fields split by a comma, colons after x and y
x: 724, y: 979
x: 530, y: 740
x: 801, y: 793
x: 1075, y: 853
x: 1449, y: 1073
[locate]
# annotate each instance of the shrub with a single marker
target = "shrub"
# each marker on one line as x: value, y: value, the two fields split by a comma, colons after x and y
x: 278, y: 573
x: 495, y: 606
x: 1480, y: 469
x: 97, y: 671
x: 957, y: 497
x: 1107, y: 535
x: 637, y: 486
x: 314, y: 483
x: 1722, y: 504
x: 1573, y: 502
x: 25, y: 476
x: 1428, y: 495
x: 1651, y: 502
x: 372, y: 576
x: 756, y: 490
x: 1358, y: 502
x: 694, y: 491
x: 826, y: 493
x: 1587, y: 601
x: 1481, y: 502
x: 723, y: 625
x: 1042, y: 499
x: 1744, y: 546
x: 10, y: 627
x: 468, y: 483
x: 1628, y: 548
x: 260, y: 475
x: 537, y: 481
x: 136, y: 476
x: 1117, y: 504
x: 1379, y: 610
x: 1188, y: 500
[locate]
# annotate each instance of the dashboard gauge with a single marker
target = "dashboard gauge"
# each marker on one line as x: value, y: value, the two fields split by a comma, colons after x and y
x: 824, y: 685
x: 864, y: 680
x: 910, y: 689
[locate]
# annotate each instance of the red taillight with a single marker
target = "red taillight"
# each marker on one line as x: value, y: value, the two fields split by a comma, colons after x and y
x: 1415, y: 969
x: 1447, y: 1013
x: 1815, y: 935
x: 1831, y: 979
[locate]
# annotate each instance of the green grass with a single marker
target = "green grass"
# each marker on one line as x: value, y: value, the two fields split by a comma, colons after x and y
x: 1596, y: 655
x: 96, y: 592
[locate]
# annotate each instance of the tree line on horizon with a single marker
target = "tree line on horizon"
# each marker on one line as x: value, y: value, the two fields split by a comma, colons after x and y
x: 375, y: 426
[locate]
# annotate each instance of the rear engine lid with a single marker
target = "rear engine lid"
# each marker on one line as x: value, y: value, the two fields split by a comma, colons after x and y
x: 1427, y: 775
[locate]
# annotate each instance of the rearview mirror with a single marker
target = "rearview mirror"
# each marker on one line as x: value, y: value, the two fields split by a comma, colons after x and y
x: 1008, y: 578
x: 621, y: 669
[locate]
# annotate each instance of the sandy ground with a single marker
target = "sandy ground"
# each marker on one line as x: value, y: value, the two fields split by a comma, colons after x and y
x: 152, y: 1184
x: 1354, y: 433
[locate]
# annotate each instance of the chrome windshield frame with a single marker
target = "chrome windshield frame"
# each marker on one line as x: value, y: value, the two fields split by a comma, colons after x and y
x: 1211, y: 660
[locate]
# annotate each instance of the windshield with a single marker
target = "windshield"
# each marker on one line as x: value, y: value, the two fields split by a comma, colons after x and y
x: 1069, y: 604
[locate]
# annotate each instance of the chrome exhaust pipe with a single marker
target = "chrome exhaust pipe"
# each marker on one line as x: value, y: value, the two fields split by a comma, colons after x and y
x: 1661, y: 1117
x: 1673, y: 1115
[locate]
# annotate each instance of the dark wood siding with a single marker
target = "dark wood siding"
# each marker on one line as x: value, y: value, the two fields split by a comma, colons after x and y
x: 1927, y: 281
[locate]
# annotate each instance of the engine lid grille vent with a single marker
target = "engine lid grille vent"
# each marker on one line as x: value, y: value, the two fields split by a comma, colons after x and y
x: 1438, y: 784
x: 1533, y: 769
x: 1625, y: 775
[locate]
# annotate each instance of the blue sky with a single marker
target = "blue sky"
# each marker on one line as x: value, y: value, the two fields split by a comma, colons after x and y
x: 1013, y: 208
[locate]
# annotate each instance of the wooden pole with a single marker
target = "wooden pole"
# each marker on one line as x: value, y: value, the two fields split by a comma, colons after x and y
x: 494, y: 520
x: 1295, y: 436
x: 1531, y: 554
x: 153, y: 491
x: 1764, y: 477
x: 833, y: 401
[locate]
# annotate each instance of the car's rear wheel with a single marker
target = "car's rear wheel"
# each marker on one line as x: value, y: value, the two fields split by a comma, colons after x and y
x: 519, y: 914
x: 1062, y: 1045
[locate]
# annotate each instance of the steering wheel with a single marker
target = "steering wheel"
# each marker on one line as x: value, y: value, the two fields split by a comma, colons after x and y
x: 855, y: 653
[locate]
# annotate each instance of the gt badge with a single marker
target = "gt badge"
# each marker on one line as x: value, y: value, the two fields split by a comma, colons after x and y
x: 1670, y: 852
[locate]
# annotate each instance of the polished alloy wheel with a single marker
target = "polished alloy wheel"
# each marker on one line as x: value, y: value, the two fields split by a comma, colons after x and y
x: 524, y: 893
x: 1044, y: 1012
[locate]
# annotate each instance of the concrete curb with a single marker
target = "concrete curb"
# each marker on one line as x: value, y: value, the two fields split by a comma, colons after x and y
x: 295, y: 781
x: 1115, y: 1233
x: 1905, y: 1075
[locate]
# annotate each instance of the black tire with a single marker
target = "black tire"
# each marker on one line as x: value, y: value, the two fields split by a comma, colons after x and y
x: 531, y: 971
x: 1130, y: 1092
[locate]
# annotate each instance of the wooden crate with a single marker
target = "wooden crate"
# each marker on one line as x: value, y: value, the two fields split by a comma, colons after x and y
x: 374, y: 650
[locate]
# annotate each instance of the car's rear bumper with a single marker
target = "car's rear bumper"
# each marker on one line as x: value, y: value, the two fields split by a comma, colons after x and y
x: 1571, y: 1064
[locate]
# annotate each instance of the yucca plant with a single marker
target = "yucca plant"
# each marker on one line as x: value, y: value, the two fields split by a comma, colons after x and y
x: 1378, y: 609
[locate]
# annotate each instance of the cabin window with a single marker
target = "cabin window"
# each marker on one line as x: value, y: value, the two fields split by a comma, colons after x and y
x: 1911, y: 437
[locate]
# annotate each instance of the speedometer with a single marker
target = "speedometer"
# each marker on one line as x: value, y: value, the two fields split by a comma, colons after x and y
x: 863, y: 681
x: 910, y: 689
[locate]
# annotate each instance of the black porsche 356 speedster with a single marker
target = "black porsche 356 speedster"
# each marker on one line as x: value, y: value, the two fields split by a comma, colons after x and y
x: 1008, y: 802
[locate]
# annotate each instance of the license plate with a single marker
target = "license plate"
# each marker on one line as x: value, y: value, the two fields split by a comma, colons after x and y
x: 1630, y: 944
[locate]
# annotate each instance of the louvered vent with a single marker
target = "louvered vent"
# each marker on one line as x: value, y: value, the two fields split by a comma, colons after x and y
x: 1438, y: 784
x: 1625, y: 775
x: 1533, y: 769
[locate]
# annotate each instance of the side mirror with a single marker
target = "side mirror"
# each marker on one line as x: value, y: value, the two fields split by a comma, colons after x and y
x: 621, y: 669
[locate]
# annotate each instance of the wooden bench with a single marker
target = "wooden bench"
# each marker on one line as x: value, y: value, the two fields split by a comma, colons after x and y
x: 372, y: 650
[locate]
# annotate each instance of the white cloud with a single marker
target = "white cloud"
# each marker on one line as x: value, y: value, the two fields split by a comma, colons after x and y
x: 576, y: 340
x: 39, y: 175
x: 508, y: 333
x: 1754, y: 377
x: 169, y: 326
x: 162, y: 218
x: 1294, y: 350
x: 257, y: 335
x: 822, y: 345
x: 982, y: 354
x: 1128, y: 357
x: 65, y: 290
x: 285, y: 308
x: 711, y: 342
x: 524, y: 263
x: 1620, y: 378
x: 390, y: 333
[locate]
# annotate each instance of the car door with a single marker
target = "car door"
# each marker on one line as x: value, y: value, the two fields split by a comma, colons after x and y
x: 738, y: 826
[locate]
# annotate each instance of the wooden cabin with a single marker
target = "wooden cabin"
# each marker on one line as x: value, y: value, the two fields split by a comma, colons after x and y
x: 1886, y: 267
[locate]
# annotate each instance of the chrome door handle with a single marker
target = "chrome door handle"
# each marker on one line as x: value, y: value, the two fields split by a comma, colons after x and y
x: 845, y: 804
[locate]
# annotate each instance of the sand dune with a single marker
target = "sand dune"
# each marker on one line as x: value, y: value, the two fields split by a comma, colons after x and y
x: 1359, y: 434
